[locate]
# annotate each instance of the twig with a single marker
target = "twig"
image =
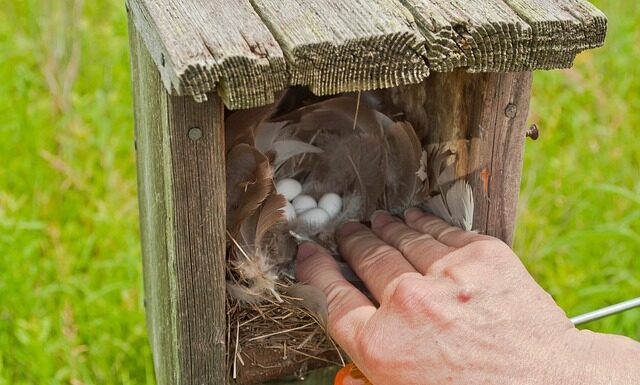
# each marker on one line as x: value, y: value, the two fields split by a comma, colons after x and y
x: 282, y: 332
x: 235, y: 355
x: 355, y: 118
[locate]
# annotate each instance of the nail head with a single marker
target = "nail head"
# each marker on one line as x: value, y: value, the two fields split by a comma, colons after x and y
x: 195, y: 133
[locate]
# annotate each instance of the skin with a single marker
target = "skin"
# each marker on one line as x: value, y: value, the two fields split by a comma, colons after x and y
x: 455, y: 307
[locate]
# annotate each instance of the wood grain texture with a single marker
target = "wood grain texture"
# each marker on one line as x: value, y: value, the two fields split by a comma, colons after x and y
x: 182, y: 197
x: 198, y: 193
x: 337, y: 46
x: 483, y: 118
x: 561, y: 29
x: 247, y: 50
x: 155, y: 215
x: 506, y: 35
x: 480, y: 35
x: 201, y: 46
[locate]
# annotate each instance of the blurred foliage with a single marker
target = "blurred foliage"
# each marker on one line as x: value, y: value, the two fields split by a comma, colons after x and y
x: 70, y: 273
x: 579, y: 211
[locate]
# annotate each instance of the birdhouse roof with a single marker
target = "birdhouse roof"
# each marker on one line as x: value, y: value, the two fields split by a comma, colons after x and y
x: 248, y: 50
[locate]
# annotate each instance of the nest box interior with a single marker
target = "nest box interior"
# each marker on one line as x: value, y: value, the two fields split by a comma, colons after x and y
x: 387, y: 149
x: 457, y: 72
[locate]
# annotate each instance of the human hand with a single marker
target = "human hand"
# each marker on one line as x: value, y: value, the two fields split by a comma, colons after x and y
x: 455, y: 307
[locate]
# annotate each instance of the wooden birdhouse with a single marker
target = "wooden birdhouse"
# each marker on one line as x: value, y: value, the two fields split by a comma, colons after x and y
x: 459, y: 72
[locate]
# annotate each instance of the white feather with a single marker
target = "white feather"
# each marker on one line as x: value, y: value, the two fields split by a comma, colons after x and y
x: 272, y: 138
x: 287, y: 149
x: 455, y: 206
x: 460, y: 204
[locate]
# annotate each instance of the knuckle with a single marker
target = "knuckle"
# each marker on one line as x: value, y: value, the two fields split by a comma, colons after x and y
x: 312, y: 268
x: 415, y: 243
x: 446, y: 231
x: 337, y: 296
x: 337, y: 306
x: 425, y: 223
x: 452, y: 271
x: 353, y: 241
x: 392, y: 229
x: 487, y: 248
x: 375, y: 258
x: 409, y: 295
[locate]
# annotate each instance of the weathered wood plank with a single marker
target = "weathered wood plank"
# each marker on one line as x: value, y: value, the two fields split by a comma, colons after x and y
x: 198, y: 193
x: 182, y: 198
x: 483, y: 118
x: 506, y: 35
x: 332, y: 46
x: 561, y: 29
x: 149, y: 110
x: 480, y: 35
x: 200, y: 46
x: 337, y: 46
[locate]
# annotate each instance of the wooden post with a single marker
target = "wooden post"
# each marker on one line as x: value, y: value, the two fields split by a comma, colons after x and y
x: 181, y: 188
x: 483, y: 117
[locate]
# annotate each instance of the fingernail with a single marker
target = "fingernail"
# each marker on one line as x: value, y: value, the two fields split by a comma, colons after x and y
x: 306, y: 250
x: 349, y: 228
x: 412, y: 214
x: 381, y: 218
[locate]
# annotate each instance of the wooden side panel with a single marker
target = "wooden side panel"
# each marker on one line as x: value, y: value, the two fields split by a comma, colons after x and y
x: 198, y: 202
x: 182, y: 197
x: 337, y: 46
x: 155, y: 216
x: 483, y: 118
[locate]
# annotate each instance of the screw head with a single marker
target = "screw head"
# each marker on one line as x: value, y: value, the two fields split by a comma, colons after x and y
x: 511, y: 110
x: 533, y: 132
x: 195, y: 133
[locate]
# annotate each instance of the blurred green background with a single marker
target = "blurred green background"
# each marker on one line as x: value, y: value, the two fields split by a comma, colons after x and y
x: 70, y: 266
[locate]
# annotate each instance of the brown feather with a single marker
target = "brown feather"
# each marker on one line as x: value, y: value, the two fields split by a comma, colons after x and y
x: 239, y: 126
x: 271, y: 214
x: 249, y: 181
x: 254, y: 259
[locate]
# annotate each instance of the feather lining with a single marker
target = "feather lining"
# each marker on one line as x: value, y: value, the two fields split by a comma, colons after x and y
x: 249, y: 181
x: 455, y: 206
x: 367, y: 158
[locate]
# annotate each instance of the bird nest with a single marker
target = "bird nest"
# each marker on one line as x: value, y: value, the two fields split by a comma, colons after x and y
x: 295, y: 171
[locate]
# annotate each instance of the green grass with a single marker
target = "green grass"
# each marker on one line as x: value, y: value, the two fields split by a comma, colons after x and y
x: 70, y: 271
x: 579, y: 218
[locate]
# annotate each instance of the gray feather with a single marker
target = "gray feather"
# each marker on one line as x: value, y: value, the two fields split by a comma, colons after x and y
x: 455, y: 206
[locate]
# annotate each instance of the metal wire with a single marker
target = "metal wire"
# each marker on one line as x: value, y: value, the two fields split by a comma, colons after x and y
x: 606, y: 311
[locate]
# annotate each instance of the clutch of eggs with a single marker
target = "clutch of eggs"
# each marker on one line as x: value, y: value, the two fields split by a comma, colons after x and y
x: 304, y: 207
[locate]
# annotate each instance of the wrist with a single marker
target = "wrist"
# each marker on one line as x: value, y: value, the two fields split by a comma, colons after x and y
x: 595, y: 359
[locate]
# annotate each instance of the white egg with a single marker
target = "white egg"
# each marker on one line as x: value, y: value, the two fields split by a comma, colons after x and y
x: 290, y: 188
x: 289, y: 211
x: 331, y: 203
x: 303, y: 203
x: 316, y: 217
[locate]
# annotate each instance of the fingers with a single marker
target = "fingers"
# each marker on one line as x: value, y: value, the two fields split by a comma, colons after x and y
x: 349, y: 309
x: 439, y: 229
x: 377, y: 263
x: 421, y: 250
